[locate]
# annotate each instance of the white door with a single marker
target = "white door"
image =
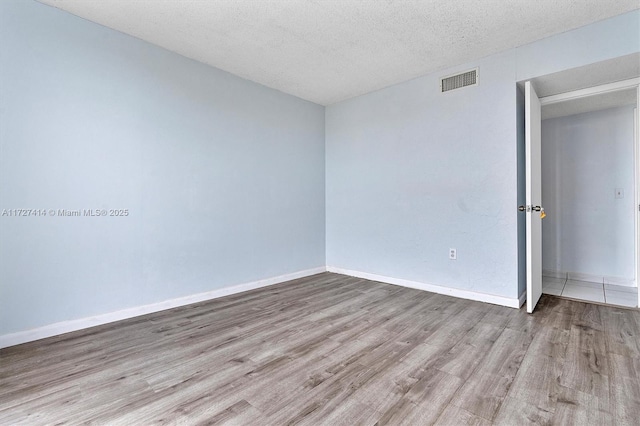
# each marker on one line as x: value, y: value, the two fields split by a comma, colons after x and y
x: 533, y: 159
x: 636, y: 129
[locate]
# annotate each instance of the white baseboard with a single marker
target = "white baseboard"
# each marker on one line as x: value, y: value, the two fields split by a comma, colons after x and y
x: 554, y: 274
x: 82, y: 323
x: 522, y: 298
x: 579, y: 276
x: 620, y: 281
x: 455, y: 292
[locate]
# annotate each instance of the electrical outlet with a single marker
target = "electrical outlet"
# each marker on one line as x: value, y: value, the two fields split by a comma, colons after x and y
x: 453, y: 254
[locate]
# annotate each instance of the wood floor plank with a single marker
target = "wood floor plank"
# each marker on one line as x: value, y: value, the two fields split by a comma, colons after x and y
x: 330, y: 349
x: 239, y: 413
x: 425, y: 401
x: 482, y: 394
x: 456, y: 416
x: 622, y: 332
x: 579, y: 408
x: 514, y: 411
x: 536, y: 380
x: 624, y: 389
x: 586, y: 368
x: 465, y: 356
x: 506, y: 354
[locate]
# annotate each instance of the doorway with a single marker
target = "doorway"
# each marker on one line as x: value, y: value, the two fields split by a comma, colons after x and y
x: 589, y: 194
x: 596, y: 87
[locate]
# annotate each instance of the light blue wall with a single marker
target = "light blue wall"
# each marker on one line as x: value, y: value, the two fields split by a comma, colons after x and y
x: 412, y: 172
x: 223, y: 178
x: 607, y: 39
x: 585, y: 157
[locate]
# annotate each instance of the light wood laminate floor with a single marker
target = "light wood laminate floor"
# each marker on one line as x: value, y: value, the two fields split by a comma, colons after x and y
x: 335, y: 350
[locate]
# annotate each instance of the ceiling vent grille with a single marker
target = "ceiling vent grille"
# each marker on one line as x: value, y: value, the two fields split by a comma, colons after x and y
x: 452, y: 82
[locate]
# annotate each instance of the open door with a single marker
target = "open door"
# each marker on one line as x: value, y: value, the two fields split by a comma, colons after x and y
x: 636, y: 147
x: 533, y: 209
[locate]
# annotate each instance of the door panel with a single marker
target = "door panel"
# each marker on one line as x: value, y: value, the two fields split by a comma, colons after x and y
x: 636, y: 135
x: 533, y: 159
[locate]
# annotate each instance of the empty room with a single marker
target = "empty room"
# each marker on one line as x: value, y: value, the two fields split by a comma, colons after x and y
x: 319, y: 212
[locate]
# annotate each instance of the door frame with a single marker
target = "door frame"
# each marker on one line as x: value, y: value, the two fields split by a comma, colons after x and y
x: 605, y: 88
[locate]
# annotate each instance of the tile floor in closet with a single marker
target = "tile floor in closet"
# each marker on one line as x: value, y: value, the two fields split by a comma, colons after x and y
x: 591, y: 291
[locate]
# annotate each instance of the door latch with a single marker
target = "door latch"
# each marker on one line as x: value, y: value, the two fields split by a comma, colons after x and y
x: 529, y: 209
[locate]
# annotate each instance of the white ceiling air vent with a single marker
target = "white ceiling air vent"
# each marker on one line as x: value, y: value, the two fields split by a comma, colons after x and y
x: 464, y: 79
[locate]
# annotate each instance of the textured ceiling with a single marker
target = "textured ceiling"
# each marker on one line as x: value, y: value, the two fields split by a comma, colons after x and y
x: 326, y: 51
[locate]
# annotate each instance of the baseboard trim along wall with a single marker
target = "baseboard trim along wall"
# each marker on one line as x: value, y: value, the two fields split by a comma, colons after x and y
x: 554, y: 274
x: 579, y: 276
x: 522, y: 299
x: 455, y: 292
x: 82, y: 323
x: 56, y: 329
